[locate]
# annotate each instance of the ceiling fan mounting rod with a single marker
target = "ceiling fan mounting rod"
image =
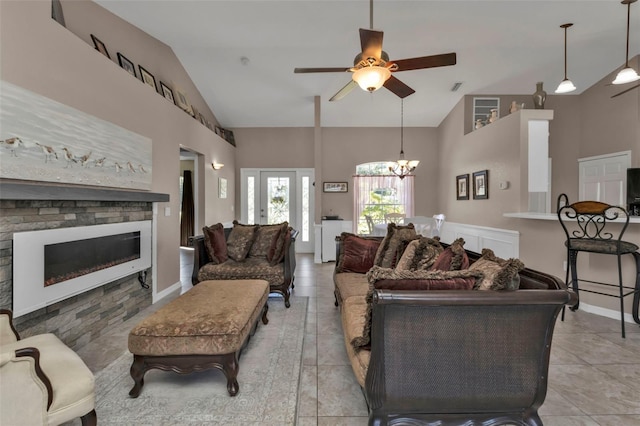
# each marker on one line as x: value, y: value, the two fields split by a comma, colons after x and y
x: 370, y: 14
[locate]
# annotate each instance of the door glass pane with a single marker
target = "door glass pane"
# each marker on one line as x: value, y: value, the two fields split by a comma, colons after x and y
x: 278, y: 196
x: 305, y: 208
x: 251, y: 198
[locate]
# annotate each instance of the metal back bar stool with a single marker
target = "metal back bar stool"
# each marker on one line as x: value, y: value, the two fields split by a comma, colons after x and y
x: 587, y: 226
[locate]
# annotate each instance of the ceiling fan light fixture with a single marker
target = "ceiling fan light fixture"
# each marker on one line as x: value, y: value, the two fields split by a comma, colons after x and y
x: 565, y: 86
x: 371, y: 78
x: 626, y: 75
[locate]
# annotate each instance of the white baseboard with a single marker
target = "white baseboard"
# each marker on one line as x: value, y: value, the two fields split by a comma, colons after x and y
x: 167, y: 291
x: 604, y: 312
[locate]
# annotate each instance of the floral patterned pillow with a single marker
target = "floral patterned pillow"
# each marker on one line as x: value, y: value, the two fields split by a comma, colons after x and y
x: 240, y: 240
x: 420, y: 254
x: 387, y: 254
x: 499, y: 274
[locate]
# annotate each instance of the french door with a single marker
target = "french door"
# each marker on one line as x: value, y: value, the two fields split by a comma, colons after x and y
x: 270, y: 196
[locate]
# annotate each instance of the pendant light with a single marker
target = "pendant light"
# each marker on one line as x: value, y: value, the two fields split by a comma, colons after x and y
x: 565, y: 85
x: 627, y: 74
x: 402, y: 167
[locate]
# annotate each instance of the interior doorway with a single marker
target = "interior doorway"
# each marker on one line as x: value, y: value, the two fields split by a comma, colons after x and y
x: 189, y: 195
x: 269, y: 196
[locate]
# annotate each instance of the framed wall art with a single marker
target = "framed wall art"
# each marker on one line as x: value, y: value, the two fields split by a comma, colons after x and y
x: 127, y: 65
x: 148, y: 78
x: 481, y: 185
x: 181, y: 100
x: 167, y: 92
x: 100, y: 47
x: 222, y: 188
x: 335, y: 187
x: 462, y: 187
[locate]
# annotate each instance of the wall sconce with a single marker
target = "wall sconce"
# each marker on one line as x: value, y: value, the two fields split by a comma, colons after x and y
x: 217, y: 166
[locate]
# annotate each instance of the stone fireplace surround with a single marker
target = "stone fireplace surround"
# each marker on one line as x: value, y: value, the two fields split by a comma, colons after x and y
x: 82, y: 318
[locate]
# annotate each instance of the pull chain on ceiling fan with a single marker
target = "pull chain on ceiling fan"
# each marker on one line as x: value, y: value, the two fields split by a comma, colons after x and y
x: 372, y: 68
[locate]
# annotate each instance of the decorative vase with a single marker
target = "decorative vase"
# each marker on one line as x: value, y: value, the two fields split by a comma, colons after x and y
x: 539, y: 96
x: 479, y: 123
x: 514, y: 107
x: 494, y: 115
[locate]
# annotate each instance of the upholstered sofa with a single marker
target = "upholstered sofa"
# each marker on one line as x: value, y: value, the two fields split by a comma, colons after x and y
x: 264, y: 252
x: 449, y: 355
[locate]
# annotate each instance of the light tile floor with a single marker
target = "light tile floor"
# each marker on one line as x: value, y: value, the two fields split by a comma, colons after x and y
x: 594, y: 377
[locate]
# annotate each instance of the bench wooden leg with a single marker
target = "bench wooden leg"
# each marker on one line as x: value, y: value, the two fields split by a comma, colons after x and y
x: 265, y: 320
x: 185, y: 364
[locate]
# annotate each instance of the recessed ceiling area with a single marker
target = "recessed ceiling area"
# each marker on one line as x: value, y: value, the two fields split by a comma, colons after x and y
x: 502, y: 47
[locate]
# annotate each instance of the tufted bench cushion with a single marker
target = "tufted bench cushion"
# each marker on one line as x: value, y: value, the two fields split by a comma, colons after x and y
x: 207, y: 327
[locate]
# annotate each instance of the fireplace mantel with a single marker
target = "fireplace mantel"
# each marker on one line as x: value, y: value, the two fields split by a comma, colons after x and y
x: 42, y: 191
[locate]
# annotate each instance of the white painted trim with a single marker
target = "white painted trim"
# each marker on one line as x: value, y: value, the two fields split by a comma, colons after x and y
x: 605, y: 312
x: 154, y: 253
x: 504, y: 242
x: 164, y: 293
x: 613, y: 154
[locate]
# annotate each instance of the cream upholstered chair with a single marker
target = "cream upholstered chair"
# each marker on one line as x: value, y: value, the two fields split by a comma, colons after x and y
x: 396, y: 218
x: 42, y: 381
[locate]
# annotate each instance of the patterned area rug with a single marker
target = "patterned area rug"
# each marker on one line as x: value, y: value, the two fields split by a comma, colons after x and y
x: 268, y: 378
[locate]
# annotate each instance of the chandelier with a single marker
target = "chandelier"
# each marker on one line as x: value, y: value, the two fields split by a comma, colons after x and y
x: 402, y: 167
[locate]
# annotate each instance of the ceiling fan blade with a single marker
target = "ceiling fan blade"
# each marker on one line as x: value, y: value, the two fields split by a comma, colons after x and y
x: 627, y: 90
x: 309, y: 70
x: 426, y: 62
x: 371, y: 42
x: 344, y: 91
x: 398, y: 87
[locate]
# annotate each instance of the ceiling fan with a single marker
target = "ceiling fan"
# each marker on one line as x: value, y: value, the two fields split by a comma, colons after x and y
x: 372, y: 68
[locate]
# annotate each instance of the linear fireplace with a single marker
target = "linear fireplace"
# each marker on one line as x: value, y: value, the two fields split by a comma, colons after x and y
x: 52, y: 265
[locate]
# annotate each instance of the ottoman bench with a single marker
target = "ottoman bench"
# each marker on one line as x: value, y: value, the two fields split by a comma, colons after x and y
x: 206, y: 327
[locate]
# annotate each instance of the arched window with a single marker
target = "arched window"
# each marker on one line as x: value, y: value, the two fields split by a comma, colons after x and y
x: 377, y: 192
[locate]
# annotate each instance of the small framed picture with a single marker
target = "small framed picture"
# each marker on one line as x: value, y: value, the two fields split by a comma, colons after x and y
x: 127, y: 65
x: 147, y: 78
x: 462, y: 187
x: 222, y: 188
x: 181, y: 100
x: 481, y: 185
x: 100, y: 47
x: 167, y: 92
x: 335, y: 187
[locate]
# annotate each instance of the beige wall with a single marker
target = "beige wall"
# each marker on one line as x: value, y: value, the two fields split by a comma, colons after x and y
x: 40, y: 55
x: 342, y: 149
x: 584, y: 125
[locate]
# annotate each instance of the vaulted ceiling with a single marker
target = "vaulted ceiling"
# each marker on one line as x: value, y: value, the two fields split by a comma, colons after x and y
x: 503, y: 47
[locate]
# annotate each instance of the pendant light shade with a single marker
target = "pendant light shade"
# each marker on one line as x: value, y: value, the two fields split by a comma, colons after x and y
x: 371, y: 78
x: 627, y: 74
x: 402, y: 167
x: 565, y: 85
